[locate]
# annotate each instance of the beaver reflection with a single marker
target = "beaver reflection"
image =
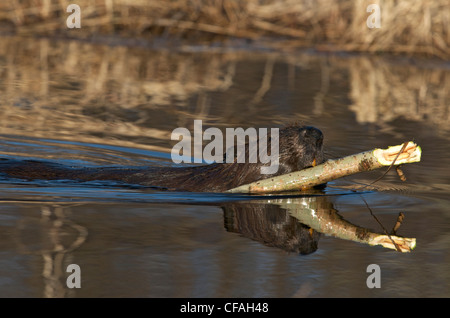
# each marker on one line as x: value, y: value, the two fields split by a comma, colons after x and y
x: 271, y: 225
x: 295, y: 224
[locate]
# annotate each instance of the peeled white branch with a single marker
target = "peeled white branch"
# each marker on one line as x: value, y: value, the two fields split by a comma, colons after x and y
x: 334, y: 169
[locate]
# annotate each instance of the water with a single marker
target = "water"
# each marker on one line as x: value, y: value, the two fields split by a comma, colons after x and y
x: 86, y: 104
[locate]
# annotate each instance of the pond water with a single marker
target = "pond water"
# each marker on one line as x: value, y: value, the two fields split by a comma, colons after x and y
x: 91, y: 104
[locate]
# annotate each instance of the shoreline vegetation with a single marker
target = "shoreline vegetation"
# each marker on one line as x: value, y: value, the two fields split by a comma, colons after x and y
x: 406, y: 27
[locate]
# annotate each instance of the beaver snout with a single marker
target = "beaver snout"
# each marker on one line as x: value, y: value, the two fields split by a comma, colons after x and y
x: 312, y: 140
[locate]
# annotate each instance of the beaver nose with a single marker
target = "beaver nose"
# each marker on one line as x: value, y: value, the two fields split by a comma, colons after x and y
x: 313, y: 140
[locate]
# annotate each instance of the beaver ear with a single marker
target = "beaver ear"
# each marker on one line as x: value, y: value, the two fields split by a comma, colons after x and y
x: 293, y: 124
x: 302, y: 132
x: 311, y: 132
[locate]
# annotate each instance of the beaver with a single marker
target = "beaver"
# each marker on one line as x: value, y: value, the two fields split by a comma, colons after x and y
x: 299, y: 147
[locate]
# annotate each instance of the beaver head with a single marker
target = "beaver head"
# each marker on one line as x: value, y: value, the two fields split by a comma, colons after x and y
x: 300, y: 147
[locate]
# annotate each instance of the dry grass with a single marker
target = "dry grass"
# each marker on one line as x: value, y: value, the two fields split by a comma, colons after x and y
x: 409, y: 26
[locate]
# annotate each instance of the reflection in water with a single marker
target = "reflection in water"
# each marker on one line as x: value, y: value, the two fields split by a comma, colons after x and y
x: 53, y: 237
x: 270, y: 225
x: 129, y: 238
x: 136, y: 96
x: 84, y: 104
x: 295, y: 224
x: 383, y: 91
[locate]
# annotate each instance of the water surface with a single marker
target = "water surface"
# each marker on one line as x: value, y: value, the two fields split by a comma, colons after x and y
x: 87, y: 104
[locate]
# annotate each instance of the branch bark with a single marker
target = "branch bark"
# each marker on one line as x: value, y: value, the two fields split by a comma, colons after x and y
x: 334, y: 169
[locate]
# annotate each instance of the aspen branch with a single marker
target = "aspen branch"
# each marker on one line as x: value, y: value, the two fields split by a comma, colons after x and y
x: 334, y: 169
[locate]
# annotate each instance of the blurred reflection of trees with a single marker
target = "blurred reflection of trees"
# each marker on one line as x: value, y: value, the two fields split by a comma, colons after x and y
x: 137, y: 96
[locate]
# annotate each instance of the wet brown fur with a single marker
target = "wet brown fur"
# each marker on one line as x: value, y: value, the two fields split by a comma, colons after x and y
x: 299, y: 146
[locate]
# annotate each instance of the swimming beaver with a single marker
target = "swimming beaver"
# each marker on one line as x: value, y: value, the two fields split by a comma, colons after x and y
x: 299, y: 147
